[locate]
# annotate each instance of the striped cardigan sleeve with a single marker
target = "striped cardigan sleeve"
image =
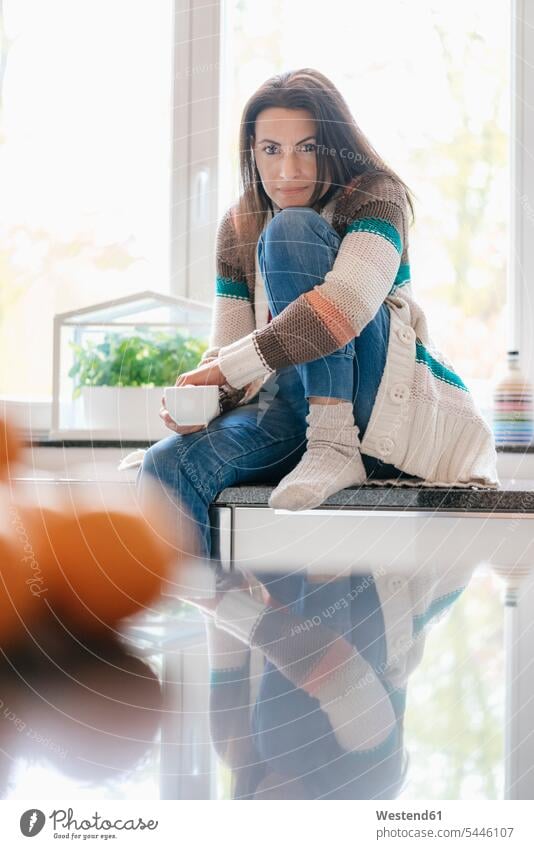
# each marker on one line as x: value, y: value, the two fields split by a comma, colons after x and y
x: 233, y: 314
x: 332, y: 313
x: 229, y: 702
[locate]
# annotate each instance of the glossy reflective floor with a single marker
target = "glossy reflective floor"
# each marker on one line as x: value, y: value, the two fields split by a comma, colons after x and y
x: 128, y: 717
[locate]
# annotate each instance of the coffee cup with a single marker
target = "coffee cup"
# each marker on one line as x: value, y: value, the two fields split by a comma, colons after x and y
x: 192, y: 405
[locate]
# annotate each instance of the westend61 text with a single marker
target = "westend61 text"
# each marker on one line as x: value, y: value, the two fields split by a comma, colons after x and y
x: 408, y: 815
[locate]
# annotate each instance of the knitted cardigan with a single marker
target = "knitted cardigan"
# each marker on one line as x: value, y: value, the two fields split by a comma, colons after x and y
x: 424, y: 419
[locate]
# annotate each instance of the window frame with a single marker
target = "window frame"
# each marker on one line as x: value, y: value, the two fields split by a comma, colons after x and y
x: 195, y: 138
x: 519, y: 720
x: 521, y: 247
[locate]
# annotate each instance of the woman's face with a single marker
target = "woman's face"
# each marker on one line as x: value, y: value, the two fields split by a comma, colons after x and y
x: 284, y: 148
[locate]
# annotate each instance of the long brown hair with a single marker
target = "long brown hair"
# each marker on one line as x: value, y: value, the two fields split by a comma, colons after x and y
x: 336, y: 131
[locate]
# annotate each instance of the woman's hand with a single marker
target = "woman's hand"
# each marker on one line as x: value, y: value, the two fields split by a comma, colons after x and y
x: 206, y: 374
x: 169, y: 422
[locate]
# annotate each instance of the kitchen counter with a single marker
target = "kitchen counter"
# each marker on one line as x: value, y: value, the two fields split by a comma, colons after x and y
x: 512, y: 496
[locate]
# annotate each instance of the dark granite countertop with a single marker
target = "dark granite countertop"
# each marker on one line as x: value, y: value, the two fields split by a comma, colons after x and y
x: 145, y: 443
x: 513, y: 496
x: 92, y: 443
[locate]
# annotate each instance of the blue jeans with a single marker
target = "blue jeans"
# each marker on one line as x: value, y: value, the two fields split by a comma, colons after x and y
x: 295, y: 251
x: 261, y: 442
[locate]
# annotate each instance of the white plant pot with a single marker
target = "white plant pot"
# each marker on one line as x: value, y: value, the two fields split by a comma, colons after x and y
x: 130, y: 412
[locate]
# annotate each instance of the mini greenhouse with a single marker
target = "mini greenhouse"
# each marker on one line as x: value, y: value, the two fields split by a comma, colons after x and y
x: 111, y: 360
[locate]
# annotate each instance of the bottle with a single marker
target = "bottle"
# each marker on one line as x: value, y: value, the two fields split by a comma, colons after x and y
x: 513, y: 422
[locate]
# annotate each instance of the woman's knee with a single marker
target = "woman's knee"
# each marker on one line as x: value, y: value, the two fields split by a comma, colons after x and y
x: 297, y: 239
x: 164, y: 459
x: 185, y: 463
x: 291, y: 223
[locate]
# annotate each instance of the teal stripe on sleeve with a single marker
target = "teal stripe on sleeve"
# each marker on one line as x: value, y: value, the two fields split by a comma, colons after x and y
x: 438, y: 369
x: 378, y: 226
x: 403, y: 277
x: 226, y: 288
x: 420, y: 620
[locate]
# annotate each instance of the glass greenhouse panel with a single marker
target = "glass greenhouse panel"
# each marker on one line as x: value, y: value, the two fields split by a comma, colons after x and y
x: 112, y: 359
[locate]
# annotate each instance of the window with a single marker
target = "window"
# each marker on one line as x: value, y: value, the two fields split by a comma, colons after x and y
x: 85, y: 160
x: 445, y: 131
x: 85, y: 130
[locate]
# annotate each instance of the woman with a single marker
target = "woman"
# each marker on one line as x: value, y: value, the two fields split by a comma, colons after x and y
x: 326, y: 222
x: 316, y: 341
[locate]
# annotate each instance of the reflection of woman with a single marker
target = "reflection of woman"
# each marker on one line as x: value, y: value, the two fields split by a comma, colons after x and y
x: 328, y: 718
x: 317, y: 341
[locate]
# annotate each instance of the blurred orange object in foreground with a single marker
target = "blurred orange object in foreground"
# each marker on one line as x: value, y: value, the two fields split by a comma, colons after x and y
x: 89, y: 567
x: 19, y: 607
x: 98, y: 567
x: 10, y: 448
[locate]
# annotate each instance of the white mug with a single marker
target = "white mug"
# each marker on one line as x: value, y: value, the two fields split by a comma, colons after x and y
x: 192, y: 405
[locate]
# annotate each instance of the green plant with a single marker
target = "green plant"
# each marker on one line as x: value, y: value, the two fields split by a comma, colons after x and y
x: 142, y: 360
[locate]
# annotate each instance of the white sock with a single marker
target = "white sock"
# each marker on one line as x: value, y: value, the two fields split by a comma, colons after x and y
x: 332, y: 460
